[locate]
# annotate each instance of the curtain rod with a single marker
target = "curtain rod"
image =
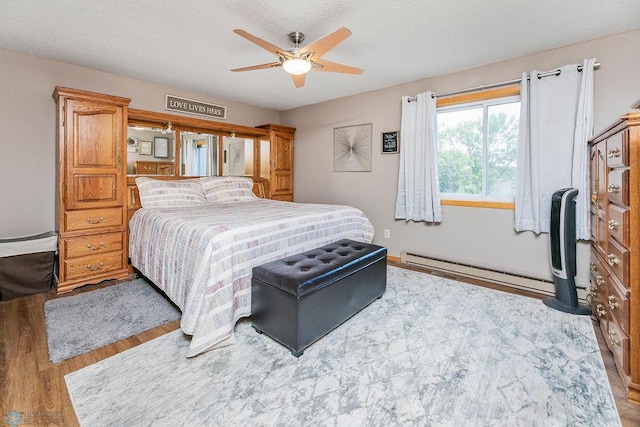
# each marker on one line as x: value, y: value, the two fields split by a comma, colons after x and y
x: 499, y: 84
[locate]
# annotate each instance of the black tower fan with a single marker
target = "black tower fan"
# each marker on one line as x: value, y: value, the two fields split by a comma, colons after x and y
x: 562, y: 245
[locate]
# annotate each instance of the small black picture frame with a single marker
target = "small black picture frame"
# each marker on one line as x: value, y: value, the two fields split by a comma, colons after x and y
x: 390, y: 142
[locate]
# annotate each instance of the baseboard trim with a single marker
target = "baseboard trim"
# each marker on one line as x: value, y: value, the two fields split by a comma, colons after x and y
x: 391, y: 258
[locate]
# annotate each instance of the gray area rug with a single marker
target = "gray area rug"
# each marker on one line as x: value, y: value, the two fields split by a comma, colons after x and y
x: 432, y: 351
x: 84, y: 322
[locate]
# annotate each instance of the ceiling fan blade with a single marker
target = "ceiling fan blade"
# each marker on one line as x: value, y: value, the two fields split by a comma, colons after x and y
x: 259, y: 67
x: 298, y: 80
x: 334, y: 67
x: 323, y: 45
x: 263, y: 44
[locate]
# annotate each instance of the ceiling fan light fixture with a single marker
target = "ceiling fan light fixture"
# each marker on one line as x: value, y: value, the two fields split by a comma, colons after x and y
x: 296, y: 66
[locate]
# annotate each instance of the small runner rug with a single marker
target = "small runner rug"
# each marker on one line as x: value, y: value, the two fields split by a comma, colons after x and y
x: 84, y: 322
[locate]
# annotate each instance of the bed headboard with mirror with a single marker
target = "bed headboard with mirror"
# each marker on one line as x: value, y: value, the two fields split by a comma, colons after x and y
x: 194, y: 147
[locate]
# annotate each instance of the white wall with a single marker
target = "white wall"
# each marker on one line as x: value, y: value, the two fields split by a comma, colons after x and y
x: 28, y: 130
x: 471, y: 235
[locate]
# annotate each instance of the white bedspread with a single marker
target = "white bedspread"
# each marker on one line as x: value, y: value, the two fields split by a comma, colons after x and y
x: 202, y: 256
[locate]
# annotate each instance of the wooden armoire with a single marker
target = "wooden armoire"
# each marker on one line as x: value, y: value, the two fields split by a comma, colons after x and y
x: 281, y: 161
x: 91, y: 181
x: 615, y: 244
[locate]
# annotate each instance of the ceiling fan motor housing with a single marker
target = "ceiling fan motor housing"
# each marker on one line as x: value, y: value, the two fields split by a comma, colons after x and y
x: 296, y: 37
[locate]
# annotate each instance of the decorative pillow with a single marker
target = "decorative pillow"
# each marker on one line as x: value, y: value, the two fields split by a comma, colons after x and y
x: 227, y: 189
x: 157, y: 193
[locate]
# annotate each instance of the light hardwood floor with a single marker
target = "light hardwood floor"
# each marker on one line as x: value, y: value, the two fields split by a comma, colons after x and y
x: 31, y: 384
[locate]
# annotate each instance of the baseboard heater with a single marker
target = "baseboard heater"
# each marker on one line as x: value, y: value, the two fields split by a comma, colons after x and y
x: 541, y: 286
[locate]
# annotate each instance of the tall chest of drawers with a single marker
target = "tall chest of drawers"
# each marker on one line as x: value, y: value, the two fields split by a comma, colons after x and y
x: 92, y: 173
x: 615, y: 244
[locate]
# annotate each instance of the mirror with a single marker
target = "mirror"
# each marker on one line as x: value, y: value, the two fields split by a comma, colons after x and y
x: 198, y: 154
x: 237, y: 156
x: 150, y: 151
x: 160, y: 144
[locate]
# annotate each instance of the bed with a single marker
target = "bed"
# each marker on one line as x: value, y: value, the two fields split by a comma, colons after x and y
x: 198, y: 240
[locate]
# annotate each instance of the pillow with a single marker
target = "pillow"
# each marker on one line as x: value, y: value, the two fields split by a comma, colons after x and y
x: 157, y: 193
x: 227, y: 189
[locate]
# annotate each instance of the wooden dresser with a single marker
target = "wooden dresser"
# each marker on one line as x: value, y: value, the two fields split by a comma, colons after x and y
x: 91, y: 181
x: 153, y: 168
x: 615, y: 247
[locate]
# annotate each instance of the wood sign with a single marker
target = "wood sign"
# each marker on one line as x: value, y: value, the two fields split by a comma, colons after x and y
x: 190, y: 106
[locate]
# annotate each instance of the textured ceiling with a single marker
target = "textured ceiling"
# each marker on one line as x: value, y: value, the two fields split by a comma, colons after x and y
x: 190, y: 44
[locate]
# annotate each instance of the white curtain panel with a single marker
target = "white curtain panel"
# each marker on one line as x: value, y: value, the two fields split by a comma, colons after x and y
x: 418, y: 192
x: 583, y: 132
x: 556, y: 120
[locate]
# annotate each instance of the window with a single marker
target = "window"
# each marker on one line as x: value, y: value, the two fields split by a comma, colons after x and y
x: 477, y: 149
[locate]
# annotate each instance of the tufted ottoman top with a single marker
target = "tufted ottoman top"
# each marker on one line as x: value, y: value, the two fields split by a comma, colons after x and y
x: 312, y: 270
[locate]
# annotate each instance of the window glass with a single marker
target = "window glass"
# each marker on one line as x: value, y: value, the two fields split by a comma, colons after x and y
x: 477, y: 150
x: 460, y: 151
x: 502, y: 149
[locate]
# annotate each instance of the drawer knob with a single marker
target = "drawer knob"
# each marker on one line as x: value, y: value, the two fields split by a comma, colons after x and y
x: 613, y: 304
x: 600, y: 310
x: 600, y: 280
x: 613, y: 188
x: 613, y: 224
x: 613, y: 339
x: 614, y: 152
x: 592, y: 266
x: 92, y: 268
x: 98, y: 221
x: 613, y: 260
x: 95, y: 248
x: 594, y: 198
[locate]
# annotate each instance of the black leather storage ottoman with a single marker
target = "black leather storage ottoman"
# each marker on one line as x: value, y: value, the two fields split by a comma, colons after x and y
x: 299, y: 299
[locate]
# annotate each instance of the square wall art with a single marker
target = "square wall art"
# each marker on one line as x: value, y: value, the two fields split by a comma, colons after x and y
x: 352, y: 148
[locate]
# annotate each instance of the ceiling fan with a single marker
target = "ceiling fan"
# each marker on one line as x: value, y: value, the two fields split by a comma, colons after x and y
x: 299, y: 61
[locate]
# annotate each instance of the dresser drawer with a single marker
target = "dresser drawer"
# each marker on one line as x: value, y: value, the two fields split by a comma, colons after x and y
x: 144, y: 168
x: 618, y: 343
x: 90, y: 245
x: 617, y: 301
x: 598, y: 307
x: 599, y: 273
x: 618, y: 224
x: 618, y: 187
x: 93, y: 219
x: 617, y: 153
x: 603, y: 320
x: 95, y: 265
x: 618, y: 260
x: 600, y: 229
x: 164, y: 170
